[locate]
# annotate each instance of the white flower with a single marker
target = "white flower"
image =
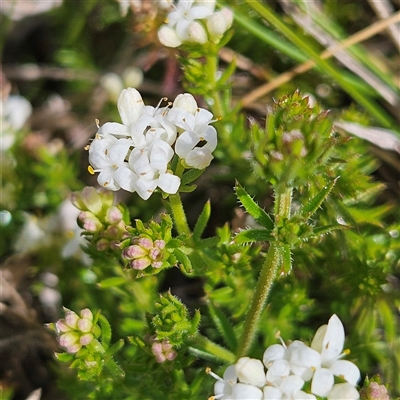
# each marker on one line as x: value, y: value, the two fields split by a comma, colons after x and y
x: 150, y: 165
x: 196, y: 130
x: 223, y: 387
x: 186, y: 102
x: 328, y: 341
x: 251, y: 371
x: 107, y: 156
x: 187, y: 11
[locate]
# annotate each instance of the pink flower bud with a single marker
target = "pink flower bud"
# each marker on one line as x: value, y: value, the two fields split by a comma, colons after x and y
x: 86, y: 339
x: 154, y: 254
x: 62, y: 327
x: 140, y: 263
x: 114, y: 215
x: 71, y: 319
x: 102, y: 244
x: 160, y: 244
x: 87, y: 314
x: 133, y: 252
x: 85, y: 325
x: 69, y: 339
x: 144, y: 242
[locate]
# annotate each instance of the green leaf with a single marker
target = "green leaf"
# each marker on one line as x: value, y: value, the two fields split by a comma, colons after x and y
x: 202, y: 221
x: 191, y: 175
x: 112, y: 282
x: 117, y: 346
x: 254, y: 235
x: 207, y: 243
x: 224, y: 326
x: 64, y: 357
x: 253, y: 208
x: 105, y: 331
x: 286, y: 257
x: 326, y: 229
x: 184, y: 260
x: 312, y: 206
x: 114, y: 368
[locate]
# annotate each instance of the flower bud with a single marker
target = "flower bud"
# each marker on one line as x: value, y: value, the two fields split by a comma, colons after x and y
x: 140, y: 263
x: 219, y: 22
x: 168, y: 37
x: 251, y: 371
x: 185, y: 101
x: 197, y: 33
x: 92, y: 200
x: 86, y: 339
x: 69, y: 339
x: 113, y: 84
x: 71, y: 319
x: 114, y: 215
x: 85, y: 325
x: 132, y: 76
x: 374, y: 391
x: 130, y: 106
x: 134, y: 251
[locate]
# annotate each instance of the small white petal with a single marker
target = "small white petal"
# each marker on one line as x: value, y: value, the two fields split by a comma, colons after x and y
x: 126, y: 178
x: 185, y: 143
x: 169, y: 183
x: 343, y: 391
x: 291, y: 384
x: 119, y: 150
x: 242, y: 391
x: 322, y: 382
x: 250, y: 370
x: 329, y: 340
x: 272, y: 393
x: 106, y: 179
x: 145, y: 188
x: 130, y: 106
x: 304, y: 360
x: 199, y: 158
x: 346, y: 370
x: 113, y: 128
x: 272, y: 353
x: 277, y: 371
x: 301, y: 395
x: 168, y: 37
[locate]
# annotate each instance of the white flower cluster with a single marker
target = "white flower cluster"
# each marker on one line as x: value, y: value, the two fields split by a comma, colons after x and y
x: 136, y: 154
x: 194, y: 21
x: 290, y: 367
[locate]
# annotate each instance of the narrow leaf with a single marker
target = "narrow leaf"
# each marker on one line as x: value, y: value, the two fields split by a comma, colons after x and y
x: 286, y: 257
x: 224, y: 326
x: 202, y: 221
x: 313, y: 205
x: 105, y: 331
x: 253, y: 208
x: 326, y: 229
x: 207, y: 243
x: 184, y: 260
x: 112, y: 282
x: 254, y: 235
x: 191, y: 175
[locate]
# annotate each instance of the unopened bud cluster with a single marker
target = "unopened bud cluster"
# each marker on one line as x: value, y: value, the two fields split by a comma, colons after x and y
x: 373, y: 390
x: 172, y: 321
x: 100, y: 216
x: 136, y: 155
x: 76, y: 331
x: 145, y: 252
x: 294, y: 372
x: 194, y: 21
x: 163, y: 351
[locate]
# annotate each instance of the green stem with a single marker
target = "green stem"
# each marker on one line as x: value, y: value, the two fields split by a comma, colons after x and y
x: 282, y: 206
x: 205, y: 345
x: 212, y: 69
x: 261, y: 293
x: 179, y: 215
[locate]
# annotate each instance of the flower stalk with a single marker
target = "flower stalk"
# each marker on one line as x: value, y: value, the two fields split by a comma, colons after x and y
x: 264, y: 284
